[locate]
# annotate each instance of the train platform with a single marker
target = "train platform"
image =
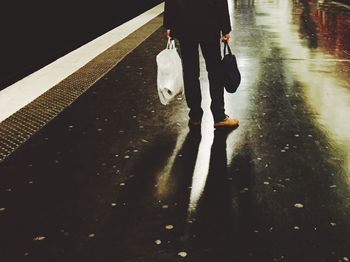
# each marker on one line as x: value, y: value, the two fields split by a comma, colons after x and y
x: 96, y: 169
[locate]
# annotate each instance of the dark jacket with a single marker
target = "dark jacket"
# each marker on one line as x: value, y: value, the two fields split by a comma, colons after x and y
x: 197, y: 19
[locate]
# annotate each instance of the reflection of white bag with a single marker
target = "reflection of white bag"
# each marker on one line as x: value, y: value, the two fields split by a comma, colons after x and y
x: 169, y: 74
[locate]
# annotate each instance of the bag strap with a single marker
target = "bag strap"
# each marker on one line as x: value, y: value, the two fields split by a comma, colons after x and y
x: 170, y: 44
x: 228, y: 47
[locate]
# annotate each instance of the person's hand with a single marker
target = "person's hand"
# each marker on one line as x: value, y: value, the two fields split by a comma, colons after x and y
x: 167, y: 33
x: 225, y: 38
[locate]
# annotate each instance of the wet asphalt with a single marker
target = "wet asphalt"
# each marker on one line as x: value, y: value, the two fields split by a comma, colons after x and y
x: 120, y: 177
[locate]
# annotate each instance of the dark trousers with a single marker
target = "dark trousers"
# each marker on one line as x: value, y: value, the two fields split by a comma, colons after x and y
x: 190, y: 62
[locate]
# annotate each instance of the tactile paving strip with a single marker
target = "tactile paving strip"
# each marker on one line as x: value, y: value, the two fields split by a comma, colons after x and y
x: 19, y: 127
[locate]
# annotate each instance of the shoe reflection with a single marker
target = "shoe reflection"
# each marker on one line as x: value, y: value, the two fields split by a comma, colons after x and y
x: 308, y: 29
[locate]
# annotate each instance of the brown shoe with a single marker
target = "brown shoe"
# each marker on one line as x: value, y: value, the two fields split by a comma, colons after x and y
x: 227, y: 122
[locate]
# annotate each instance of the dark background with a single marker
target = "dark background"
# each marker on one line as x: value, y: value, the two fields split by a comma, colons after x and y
x: 35, y: 34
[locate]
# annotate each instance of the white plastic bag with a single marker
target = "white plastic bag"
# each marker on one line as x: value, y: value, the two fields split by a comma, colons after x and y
x: 169, y: 73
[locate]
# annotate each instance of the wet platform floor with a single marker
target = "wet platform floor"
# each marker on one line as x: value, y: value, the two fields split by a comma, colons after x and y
x: 119, y: 177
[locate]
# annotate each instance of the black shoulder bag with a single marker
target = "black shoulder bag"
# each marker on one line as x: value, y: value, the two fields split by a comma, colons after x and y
x: 231, y: 76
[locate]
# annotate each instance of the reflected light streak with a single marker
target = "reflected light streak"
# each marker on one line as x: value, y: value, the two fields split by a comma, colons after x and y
x: 326, y: 91
x: 201, y: 168
x: 163, y: 177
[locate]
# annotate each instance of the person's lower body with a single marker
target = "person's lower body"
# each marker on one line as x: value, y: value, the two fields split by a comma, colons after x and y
x: 211, y: 51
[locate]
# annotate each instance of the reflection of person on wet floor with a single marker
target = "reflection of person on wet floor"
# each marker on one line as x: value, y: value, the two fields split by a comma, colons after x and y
x: 200, y: 23
x: 215, y: 226
x: 307, y: 25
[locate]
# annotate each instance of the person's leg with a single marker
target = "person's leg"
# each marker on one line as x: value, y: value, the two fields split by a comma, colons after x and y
x: 212, y: 56
x: 190, y: 64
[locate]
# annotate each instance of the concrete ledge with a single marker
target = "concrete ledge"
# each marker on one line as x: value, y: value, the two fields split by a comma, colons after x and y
x: 26, y: 90
x: 24, y: 123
